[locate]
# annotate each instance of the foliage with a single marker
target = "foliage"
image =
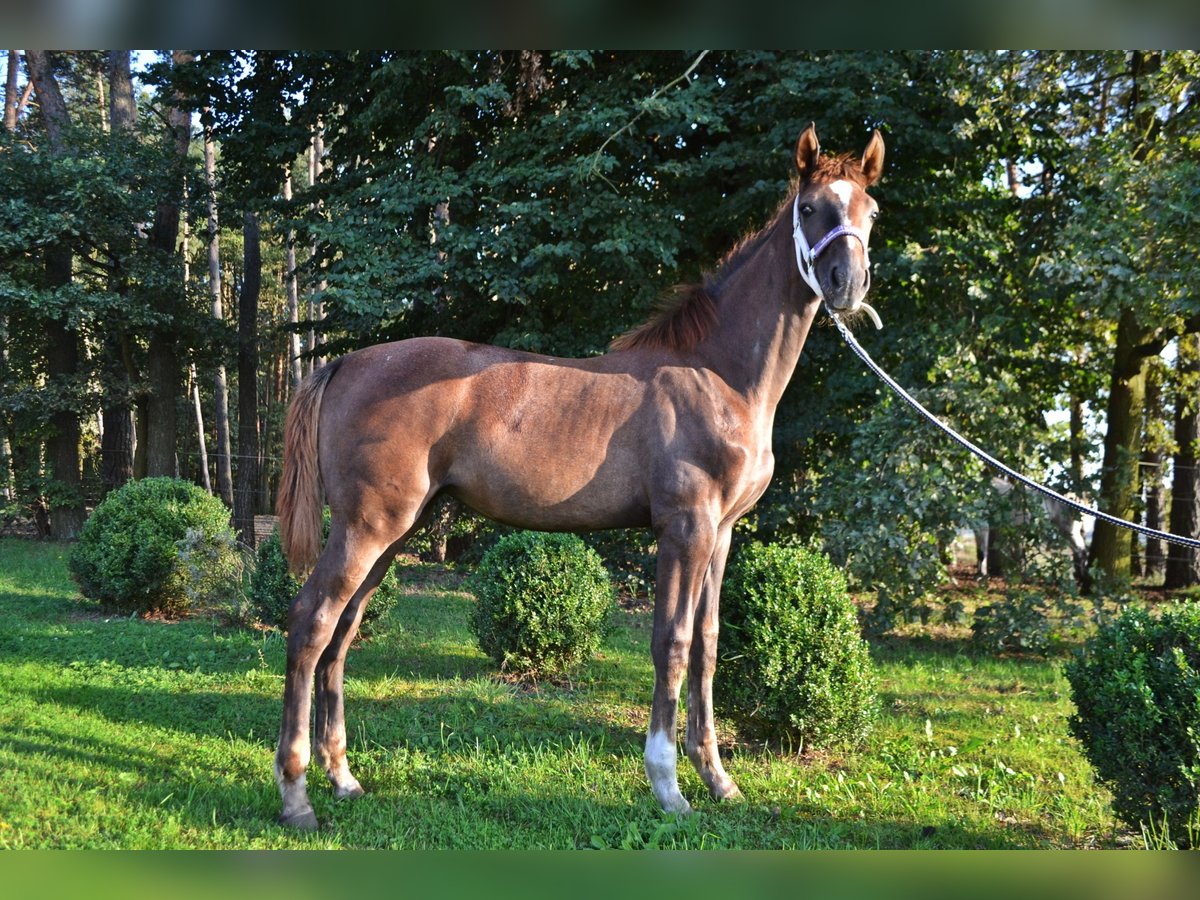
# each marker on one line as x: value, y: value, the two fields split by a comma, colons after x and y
x: 1136, y: 685
x: 215, y: 574
x: 273, y: 587
x: 793, y: 664
x: 629, y: 556
x: 128, y: 554
x: 889, y: 516
x: 544, y: 603
x: 544, y: 200
x: 1027, y: 621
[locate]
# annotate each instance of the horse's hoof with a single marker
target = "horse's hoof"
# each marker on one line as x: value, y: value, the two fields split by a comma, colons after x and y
x: 726, y: 793
x: 676, y: 805
x: 349, y: 792
x: 304, y: 820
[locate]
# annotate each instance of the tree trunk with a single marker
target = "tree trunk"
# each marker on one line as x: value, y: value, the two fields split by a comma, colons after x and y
x: 10, y: 91
x: 117, y: 441
x: 220, y: 387
x: 1183, y: 563
x: 62, y: 343
x: 62, y: 445
x: 122, y: 110
x: 1122, y: 448
x: 200, y: 430
x: 1151, y: 473
x: 293, y: 298
x: 7, y: 484
x: 116, y: 446
x: 247, y: 471
x: 316, y: 307
x: 7, y: 490
x: 164, y: 365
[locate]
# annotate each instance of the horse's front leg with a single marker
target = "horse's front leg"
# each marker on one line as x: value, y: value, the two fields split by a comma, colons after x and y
x: 701, y: 731
x: 685, y: 548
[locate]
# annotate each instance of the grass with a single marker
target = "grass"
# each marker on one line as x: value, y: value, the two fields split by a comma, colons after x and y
x: 133, y: 733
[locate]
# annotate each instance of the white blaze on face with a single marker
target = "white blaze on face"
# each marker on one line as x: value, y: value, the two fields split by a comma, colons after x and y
x: 843, y: 190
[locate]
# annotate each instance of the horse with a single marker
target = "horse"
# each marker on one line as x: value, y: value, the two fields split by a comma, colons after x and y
x: 1068, y: 522
x: 670, y: 429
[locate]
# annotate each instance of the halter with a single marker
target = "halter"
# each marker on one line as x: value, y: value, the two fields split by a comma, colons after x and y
x: 806, y: 257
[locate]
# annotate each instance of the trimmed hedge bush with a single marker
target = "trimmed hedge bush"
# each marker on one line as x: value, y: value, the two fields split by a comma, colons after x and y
x: 793, y: 664
x: 544, y: 603
x: 1136, y: 687
x: 128, y: 551
x: 272, y: 588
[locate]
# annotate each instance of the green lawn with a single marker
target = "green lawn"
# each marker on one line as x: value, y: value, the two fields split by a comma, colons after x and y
x: 123, y: 732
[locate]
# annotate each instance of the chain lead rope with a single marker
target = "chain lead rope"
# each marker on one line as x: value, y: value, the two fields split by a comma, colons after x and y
x: 991, y: 460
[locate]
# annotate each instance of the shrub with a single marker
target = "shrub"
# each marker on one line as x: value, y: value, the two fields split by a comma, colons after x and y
x: 128, y: 552
x: 1136, y: 687
x: 544, y: 603
x: 793, y: 664
x: 215, y: 574
x: 272, y: 588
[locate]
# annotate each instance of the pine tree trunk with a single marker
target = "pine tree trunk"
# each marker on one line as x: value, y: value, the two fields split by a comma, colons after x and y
x: 316, y: 307
x: 1183, y: 563
x: 247, y: 470
x: 1122, y: 448
x: 62, y: 343
x: 10, y: 91
x: 7, y: 483
x: 7, y: 487
x: 1151, y: 474
x: 62, y: 445
x: 220, y: 387
x: 164, y: 365
x: 117, y: 442
x: 207, y: 482
x: 293, y: 297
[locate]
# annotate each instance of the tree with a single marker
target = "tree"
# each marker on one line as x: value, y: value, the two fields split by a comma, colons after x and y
x: 164, y: 364
x: 1183, y: 563
x: 220, y: 388
x: 117, y: 441
x: 61, y: 340
x: 247, y: 471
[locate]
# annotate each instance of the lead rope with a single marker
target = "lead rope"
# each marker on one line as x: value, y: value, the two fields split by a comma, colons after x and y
x: 991, y: 460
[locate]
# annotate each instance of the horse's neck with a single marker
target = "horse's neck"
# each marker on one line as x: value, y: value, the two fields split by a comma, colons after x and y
x: 764, y: 312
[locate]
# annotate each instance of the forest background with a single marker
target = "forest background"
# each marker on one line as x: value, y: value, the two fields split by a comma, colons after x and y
x: 185, y: 235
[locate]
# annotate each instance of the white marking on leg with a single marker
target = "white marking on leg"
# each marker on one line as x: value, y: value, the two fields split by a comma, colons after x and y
x: 660, y: 757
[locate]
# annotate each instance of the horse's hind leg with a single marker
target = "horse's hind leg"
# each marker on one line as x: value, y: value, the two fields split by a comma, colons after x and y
x: 344, y: 566
x: 329, y: 706
x: 701, y: 732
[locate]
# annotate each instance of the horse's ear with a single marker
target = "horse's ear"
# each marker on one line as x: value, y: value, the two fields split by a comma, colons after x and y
x: 872, y: 159
x: 808, y: 148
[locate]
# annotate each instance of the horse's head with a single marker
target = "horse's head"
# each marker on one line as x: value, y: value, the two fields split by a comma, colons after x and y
x: 832, y: 218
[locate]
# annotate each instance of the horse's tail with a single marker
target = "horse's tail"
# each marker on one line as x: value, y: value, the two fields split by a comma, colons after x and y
x: 301, y: 501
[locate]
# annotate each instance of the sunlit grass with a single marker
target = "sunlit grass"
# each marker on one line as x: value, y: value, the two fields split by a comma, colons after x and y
x: 122, y: 732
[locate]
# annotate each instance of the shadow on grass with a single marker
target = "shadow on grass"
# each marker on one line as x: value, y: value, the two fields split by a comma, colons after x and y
x: 450, y: 806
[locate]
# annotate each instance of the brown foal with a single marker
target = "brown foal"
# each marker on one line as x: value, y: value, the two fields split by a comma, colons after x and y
x: 670, y: 429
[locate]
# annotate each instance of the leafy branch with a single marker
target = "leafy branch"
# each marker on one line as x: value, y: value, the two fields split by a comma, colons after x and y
x: 594, y: 168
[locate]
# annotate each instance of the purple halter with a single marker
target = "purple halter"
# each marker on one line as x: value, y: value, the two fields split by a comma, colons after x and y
x: 806, y: 256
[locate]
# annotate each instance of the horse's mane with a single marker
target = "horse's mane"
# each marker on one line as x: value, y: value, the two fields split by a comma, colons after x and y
x: 845, y: 165
x: 686, y: 313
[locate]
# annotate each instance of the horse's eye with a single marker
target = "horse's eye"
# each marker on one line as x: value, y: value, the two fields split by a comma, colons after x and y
x: 874, y: 215
x: 806, y: 210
